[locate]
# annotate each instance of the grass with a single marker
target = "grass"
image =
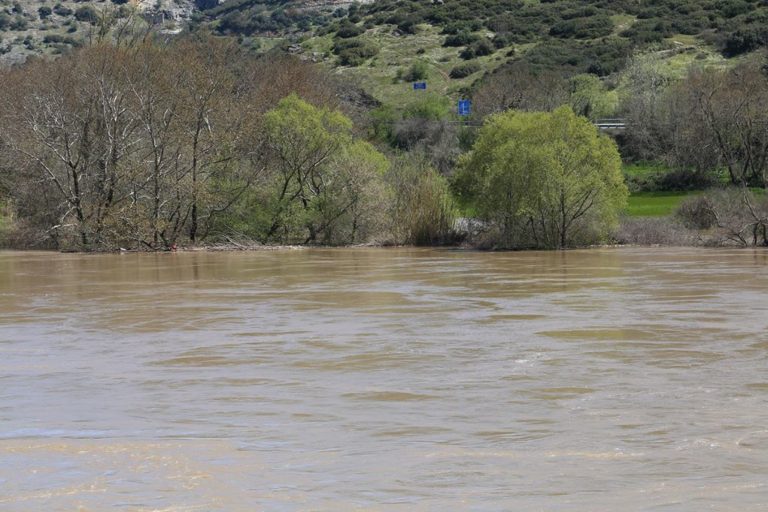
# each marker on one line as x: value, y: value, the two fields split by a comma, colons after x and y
x: 643, y: 169
x: 655, y: 204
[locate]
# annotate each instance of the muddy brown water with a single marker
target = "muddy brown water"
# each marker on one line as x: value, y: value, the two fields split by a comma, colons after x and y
x: 385, y: 380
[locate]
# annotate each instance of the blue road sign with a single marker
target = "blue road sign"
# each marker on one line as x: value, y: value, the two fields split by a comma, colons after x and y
x: 465, y: 107
x: 419, y: 85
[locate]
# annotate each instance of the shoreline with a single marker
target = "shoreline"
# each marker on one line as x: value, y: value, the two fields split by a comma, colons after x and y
x: 224, y: 248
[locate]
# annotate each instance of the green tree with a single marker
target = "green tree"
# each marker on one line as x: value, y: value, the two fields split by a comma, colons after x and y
x: 322, y: 177
x: 589, y: 98
x: 544, y: 180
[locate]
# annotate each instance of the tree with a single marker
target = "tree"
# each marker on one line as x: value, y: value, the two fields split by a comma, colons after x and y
x: 590, y: 99
x: 517, y: 86
x: 543, y: 180
x: 129, y: 146
x: 68, y: 136
x: 665, y: 124
x: 322, y: 175
x: 733, y: 106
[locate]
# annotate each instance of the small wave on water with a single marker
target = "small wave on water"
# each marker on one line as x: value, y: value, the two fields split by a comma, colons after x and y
x: 47, y: 433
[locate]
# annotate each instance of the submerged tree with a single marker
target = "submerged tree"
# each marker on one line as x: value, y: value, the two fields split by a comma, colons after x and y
x: 544, y: 180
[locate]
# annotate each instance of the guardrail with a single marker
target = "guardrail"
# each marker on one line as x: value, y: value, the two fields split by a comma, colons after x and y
x: 611, y: 124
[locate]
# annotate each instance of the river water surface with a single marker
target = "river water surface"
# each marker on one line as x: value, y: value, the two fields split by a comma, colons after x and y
x: 385, y: 379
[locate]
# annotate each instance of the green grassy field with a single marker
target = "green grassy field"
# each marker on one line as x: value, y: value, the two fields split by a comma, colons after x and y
x: 643, y: 169
x: 655, y: 204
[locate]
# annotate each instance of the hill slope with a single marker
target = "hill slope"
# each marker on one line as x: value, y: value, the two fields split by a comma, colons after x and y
x: 386, y: 44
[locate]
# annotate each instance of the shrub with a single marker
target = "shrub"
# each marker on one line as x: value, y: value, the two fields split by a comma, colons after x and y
x: 697, y: 213
x: 744, y: 41
x: 418, y: 71
x: 464, y: 70
x: 422, y: 210
x: 348, y: 30
x: 86, y: 13
x: 653, y: 231
x: 354, y: 52
x: 460, y: 39
x: 19, y: 23
x: 583, y: 28
x: 61, y: 10
x: 357, y: 55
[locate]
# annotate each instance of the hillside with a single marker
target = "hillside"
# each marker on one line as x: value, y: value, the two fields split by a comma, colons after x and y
x: 386, y: 44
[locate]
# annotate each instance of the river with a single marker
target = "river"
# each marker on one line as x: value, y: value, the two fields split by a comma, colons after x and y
x: 385, y: 380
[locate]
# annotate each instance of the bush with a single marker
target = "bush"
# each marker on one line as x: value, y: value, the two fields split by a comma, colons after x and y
x: 460, y: 39
x: 354, y: 52
x: 744, y: 41
x: 19, y: 23
x: 348, y: 30
x: 583, y: 28
x: 44, y: 12
x: 697, y: 213
x: 653, y: 231
x: 86, y: 13
x: 422, y: 210
x: 418, y: 71
x: 464, y: 70
x: 735, y: 216
x: 357, y: 55
x: 61, y: 10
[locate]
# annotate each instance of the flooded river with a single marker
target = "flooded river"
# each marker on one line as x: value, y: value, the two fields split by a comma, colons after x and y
x: 385, y: 380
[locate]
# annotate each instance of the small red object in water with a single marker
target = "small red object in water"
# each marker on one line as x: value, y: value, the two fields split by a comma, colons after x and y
x: 173, y: 247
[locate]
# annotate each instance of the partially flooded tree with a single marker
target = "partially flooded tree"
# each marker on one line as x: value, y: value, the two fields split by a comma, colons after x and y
x: 68, y: 136
x: 322, y: 175
x: 126, y: 146
x: 545, y: 180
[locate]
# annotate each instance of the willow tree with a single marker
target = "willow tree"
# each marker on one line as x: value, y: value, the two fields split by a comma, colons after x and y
x: 543, y: 180
x: 326, y: 185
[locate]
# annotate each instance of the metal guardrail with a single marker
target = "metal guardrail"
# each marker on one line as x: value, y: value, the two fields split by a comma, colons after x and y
x: 611, y: 124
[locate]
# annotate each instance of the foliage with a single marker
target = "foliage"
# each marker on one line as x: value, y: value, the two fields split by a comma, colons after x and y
x: 354, y: 52
x: 329, y: 185
x: 418, y: 71
x: 735, y: 215
x: 545, y: 180
x: 479, y: 48
x: 589, y: 98
x: 422, y: 209
x: 712, y: 119
x: 86, y: 13
x: 464, y: 70
x: 152, y: 145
